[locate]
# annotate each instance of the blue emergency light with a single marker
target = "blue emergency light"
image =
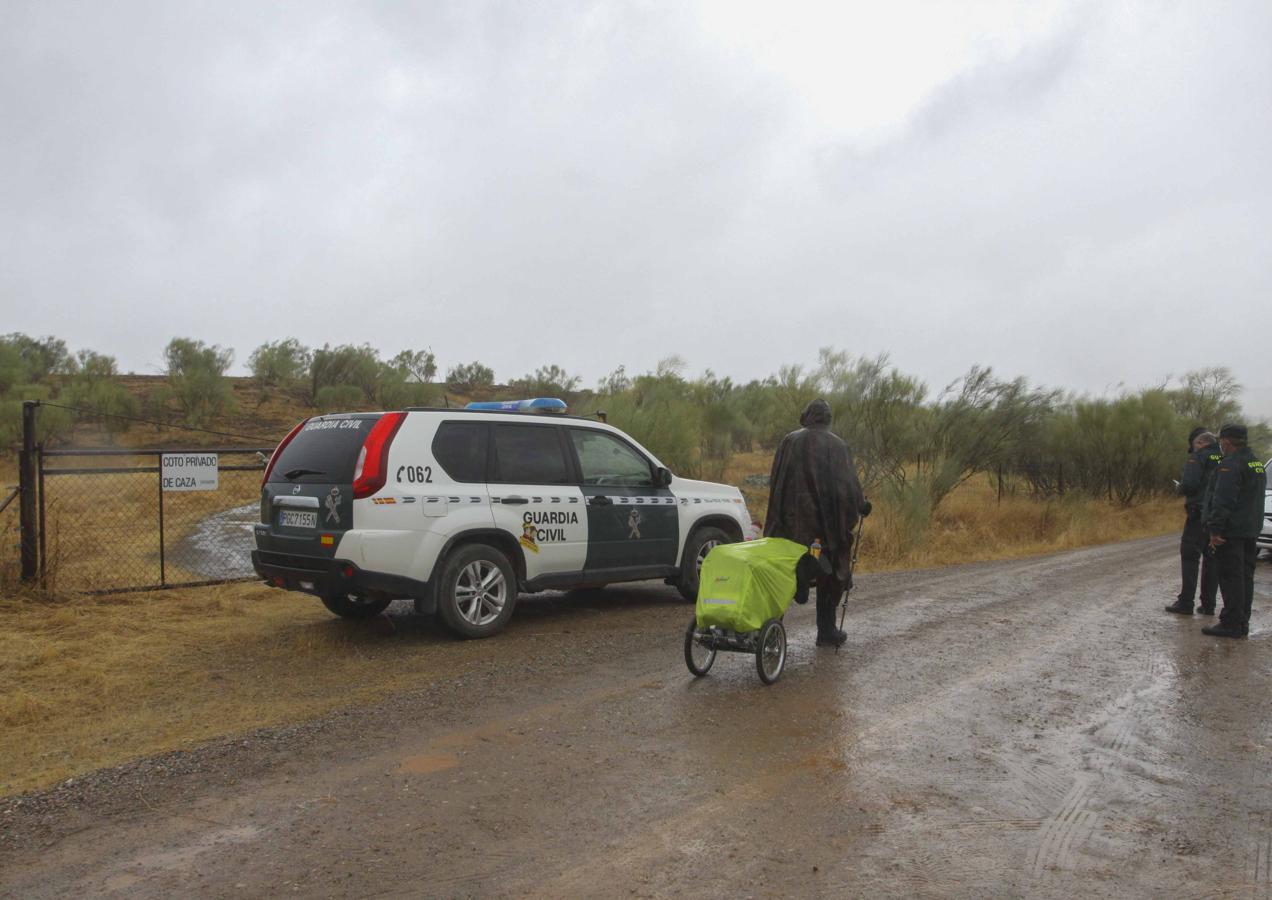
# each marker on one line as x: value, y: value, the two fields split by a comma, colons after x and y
x: 538, y: 404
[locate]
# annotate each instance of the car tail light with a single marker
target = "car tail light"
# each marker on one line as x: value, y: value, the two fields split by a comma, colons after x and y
x: 278, y: 451
x: 371, y: 471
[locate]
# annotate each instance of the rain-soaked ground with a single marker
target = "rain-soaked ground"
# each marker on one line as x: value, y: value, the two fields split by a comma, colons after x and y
x: 1031, y: 728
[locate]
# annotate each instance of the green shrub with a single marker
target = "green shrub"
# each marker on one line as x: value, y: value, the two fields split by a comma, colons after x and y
x: 340, y: 398
x: 470, y: 375
x: 196, y: 373
x: 280, y: 364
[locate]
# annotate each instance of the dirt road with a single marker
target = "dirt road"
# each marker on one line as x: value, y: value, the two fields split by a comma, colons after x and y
x: 1030, y: 728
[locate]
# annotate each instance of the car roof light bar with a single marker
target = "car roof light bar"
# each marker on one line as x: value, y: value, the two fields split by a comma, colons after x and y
x: 538, y: 404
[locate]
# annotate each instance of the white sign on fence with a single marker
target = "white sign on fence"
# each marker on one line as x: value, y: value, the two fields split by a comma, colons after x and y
x: 188, y: 472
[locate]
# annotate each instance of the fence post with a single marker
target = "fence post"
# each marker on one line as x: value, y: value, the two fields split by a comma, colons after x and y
x: 28, y: 508
x: 39, y: 484
x: 163, y: 573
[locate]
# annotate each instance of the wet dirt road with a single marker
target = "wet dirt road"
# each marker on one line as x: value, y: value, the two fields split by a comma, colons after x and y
x: 1033, y: 728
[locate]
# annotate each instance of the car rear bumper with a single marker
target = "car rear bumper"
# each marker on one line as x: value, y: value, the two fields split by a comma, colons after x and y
x: 332, y: 577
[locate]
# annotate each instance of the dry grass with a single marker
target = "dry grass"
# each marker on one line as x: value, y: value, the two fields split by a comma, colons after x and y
x: 94, y: 681
x: 973, y: 526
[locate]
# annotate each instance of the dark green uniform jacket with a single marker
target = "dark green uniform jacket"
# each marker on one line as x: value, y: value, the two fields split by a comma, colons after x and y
x: 1235, y: 505
x: 1198, y: 475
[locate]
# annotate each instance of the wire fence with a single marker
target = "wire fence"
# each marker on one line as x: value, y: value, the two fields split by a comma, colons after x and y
x: 10, y: 535
x: 107, y: 519
x: 119, y: 519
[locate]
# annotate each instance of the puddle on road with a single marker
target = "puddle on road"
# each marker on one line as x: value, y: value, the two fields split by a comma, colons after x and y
x: 220, y: 545
x: 426, y: 765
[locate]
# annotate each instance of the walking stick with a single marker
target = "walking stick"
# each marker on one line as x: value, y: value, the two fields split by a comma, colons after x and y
x: 852, y: 568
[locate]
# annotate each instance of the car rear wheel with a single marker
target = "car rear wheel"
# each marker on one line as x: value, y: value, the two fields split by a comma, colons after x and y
x: 476, y: 591
x: 700, y: 543
x: 356, y: 606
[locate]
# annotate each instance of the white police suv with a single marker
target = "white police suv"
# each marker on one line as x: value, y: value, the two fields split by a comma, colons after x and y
x: 462, y: 509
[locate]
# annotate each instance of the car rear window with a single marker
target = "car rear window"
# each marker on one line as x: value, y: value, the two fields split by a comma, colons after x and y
x: 324, y: 451
x: 460, y: 449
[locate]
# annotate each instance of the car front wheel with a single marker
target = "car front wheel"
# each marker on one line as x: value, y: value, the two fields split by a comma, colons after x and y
x: 476, y: 591
x: 700, y: 543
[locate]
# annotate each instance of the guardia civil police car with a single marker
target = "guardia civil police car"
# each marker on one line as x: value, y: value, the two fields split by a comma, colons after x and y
x: 460, y: 510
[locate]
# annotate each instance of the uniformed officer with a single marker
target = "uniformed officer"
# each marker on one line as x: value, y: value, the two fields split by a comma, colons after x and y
x: 1233, y: 518
x: 1195, y: 484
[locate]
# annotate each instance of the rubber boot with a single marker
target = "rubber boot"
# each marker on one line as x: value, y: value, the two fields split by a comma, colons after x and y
x: 827, y: 634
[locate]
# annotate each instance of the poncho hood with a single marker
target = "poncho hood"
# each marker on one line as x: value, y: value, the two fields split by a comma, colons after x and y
x: 816, y: 415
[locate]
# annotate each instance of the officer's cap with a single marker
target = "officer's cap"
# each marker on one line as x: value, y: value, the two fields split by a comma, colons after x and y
x: 1192, y: 435
x: 1234, y: 432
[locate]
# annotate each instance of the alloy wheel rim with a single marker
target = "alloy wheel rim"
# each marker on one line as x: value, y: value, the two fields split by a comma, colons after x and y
x: 481, y: 592
x: 702, y: 554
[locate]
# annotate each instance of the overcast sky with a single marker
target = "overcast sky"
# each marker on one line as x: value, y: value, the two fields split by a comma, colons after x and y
x: 1074, y: 192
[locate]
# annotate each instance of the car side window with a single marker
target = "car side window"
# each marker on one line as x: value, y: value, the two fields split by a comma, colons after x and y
x: 529, y: 454
x: 460, y: 449
x: 605, y: 459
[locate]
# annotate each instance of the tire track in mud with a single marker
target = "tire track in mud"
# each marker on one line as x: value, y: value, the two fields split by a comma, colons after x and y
x: 1065, y: 832
x: 1073, y: 824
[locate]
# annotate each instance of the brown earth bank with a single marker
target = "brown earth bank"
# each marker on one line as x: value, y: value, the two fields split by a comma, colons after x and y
x: 1036, y: 727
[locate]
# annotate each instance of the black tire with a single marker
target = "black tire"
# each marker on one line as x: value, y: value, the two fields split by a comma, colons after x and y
x: 700, y: 542
x: 476, y: 591
x: 770, y: 651
x: 356, y: 606
x: 701, y: 664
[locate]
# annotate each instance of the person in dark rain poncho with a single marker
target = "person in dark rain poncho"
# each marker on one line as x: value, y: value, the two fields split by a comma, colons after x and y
x: 814, y: 494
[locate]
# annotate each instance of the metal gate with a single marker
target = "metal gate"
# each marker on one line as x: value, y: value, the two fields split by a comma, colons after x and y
x: 112, y: 520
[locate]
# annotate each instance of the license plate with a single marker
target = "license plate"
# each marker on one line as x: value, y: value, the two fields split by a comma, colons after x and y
x: 290, y: 518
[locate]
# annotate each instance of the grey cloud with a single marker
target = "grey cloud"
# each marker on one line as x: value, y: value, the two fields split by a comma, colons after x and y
x: 600, y: 183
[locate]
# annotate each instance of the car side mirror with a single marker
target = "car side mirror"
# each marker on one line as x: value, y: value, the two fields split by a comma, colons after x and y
x: 662, y: 477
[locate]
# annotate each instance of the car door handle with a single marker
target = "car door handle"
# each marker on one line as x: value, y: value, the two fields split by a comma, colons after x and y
x: 514, y: 501
x: 600, y: 501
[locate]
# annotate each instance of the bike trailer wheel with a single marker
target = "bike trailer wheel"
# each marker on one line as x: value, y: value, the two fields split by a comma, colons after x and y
x: 697, y: 657
x: 770, y: 651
